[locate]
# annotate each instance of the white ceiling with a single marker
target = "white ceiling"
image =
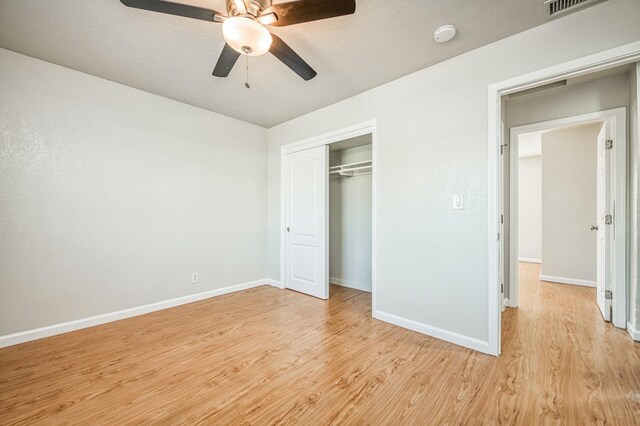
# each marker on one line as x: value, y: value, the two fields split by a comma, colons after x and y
x: 174, y: 57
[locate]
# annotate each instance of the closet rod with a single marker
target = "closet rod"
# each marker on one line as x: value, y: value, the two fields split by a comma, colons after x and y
x: 351, y: 169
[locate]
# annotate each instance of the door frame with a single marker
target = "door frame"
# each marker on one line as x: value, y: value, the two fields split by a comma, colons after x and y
x: 364, y: 128
x: 611, y: 58
x: 617, y: 118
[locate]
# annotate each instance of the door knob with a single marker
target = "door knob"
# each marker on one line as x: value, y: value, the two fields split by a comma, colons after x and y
x: 288, y: 229
x: 594, y: 227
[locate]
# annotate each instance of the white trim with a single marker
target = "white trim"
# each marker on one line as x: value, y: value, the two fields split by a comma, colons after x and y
x: 619, y: 116
x: 274, y: 283
x: 635, y: 334
x: 509, y: 304
x: 350, y: 284
x: 622, y: 55
x: 529, y: 260
x: 494, y: 286
x: 328, y: 138
x: 600, y: 61
x: 505, y: 304
x: 367, y: 127
x: 65, y: 327
x: 438, y: 333
x: 564, y: 280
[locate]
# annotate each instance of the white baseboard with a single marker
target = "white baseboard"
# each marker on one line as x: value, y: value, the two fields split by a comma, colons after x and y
x: 635, y: 334
x: 274, y: 283
x: 65, y: 327
x: 350, y: 284
x: 529, y: 260
x: 563, y: 280
x: 509, y: 304
x: 439, y: 333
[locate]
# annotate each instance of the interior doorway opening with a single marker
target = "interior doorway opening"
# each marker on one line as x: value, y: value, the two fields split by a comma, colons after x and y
x: 584, y: 171
x: 563, y: 178
x: 538, y: 84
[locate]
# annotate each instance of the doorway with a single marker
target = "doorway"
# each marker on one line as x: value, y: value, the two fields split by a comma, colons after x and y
x: 322, y: 193
x: 497, y: 240
x: 566, y: 178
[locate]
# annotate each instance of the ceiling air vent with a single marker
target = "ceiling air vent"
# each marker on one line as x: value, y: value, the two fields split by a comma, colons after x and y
x: 555, y: 8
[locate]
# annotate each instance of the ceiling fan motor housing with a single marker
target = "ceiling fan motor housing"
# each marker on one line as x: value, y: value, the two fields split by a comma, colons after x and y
x: 254, y: 8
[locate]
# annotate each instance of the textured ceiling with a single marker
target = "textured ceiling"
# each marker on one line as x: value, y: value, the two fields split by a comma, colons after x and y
x: 174, y: 57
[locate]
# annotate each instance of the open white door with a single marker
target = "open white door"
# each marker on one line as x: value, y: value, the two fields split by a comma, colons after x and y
x: 306, y: 179
x: 603, y: 226
x: 504, y: 261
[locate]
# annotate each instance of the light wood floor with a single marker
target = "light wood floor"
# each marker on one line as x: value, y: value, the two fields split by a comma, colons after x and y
x: 268, y: 356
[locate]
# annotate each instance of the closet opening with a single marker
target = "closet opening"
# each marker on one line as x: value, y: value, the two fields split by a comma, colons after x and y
x: 350, y: 215
x: 329, y: 220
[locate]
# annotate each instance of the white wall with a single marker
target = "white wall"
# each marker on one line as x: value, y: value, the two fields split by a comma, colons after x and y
x: 569, y: 203
x: 432, y: 260
x: 110, y: 197
x: 530, y: 209
x: 350, y: 223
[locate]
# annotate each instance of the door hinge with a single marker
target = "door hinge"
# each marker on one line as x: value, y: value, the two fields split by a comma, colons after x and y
x: 608, y: 144
x: 502, y: 288
x: 608, y: 294
x: 502, y: 146
x: 608, y: 219
x: 501, y: 218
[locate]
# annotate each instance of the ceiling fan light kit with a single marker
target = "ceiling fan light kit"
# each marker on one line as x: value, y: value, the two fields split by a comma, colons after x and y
x: 246, y: 36
x: 244, y: 29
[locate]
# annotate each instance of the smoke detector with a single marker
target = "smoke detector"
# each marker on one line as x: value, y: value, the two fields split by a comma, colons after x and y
x: 444, y: 34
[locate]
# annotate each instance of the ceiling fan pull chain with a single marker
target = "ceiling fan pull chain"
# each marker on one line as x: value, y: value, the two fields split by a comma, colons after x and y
x: 246, y: 84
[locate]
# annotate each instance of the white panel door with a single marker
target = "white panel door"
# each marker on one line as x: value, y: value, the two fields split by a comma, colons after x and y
x: 306, y: 186
x: 504, y: 261
x: 603, y: 200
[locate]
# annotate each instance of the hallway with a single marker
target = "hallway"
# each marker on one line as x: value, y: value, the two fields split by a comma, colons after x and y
x: 564, y: 362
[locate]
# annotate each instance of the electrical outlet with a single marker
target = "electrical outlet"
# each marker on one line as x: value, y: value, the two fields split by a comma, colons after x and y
x: 194, y: 278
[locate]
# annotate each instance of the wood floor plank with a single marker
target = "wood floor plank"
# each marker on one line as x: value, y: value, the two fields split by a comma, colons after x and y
x: 267, y: 356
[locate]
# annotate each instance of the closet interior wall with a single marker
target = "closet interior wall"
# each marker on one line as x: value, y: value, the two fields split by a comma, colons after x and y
x: 350, y: 214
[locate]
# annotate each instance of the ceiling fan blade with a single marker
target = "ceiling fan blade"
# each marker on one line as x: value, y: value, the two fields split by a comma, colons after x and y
x: 282, y: 51
x: 171, y: 8
x: 267, y: 18
x: 296, y: 12
x: 226, y: 61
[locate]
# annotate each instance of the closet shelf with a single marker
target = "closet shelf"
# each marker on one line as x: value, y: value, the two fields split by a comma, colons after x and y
x: 352, y: 169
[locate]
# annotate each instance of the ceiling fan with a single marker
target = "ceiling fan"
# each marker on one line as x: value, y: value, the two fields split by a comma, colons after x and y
x: 244, y: 26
